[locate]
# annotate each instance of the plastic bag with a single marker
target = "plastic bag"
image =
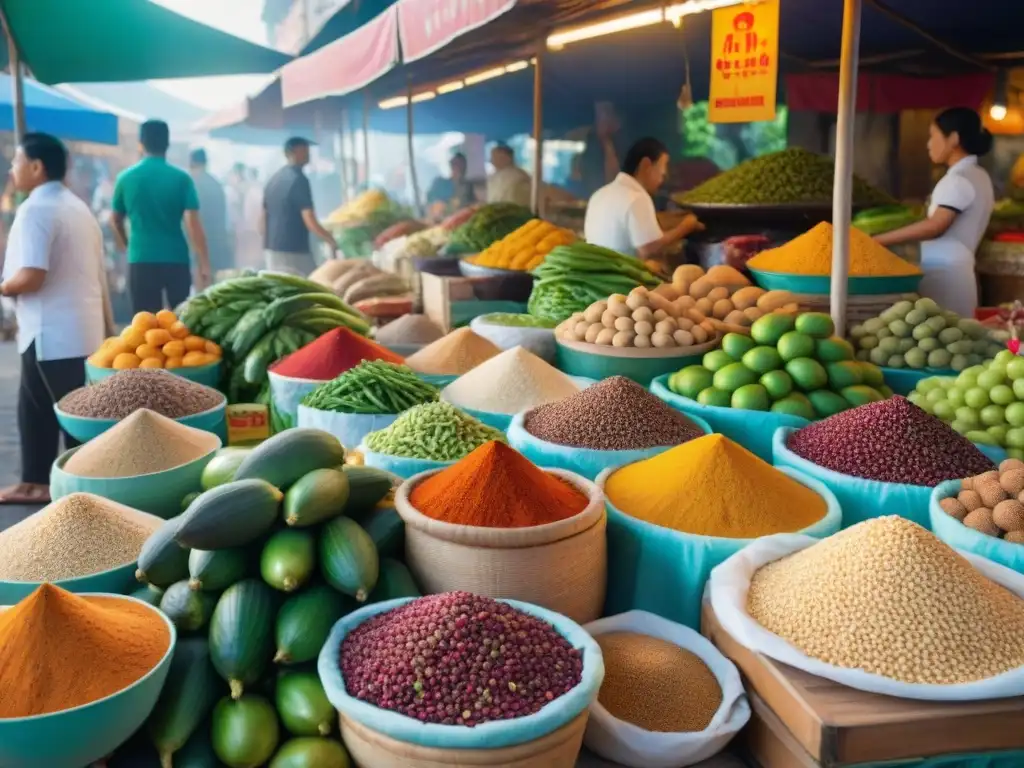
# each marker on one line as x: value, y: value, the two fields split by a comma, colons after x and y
x: 583, y: 461
x: 632, y: 746
x: 959, y: 536
x: 285, y: 395
x: 492, y: 735
x: 403, y: 466
x: 539, y: 341
x: 349, y: 428
x: 727, y: 591
x: 657, y: 569
x: 751, y: 429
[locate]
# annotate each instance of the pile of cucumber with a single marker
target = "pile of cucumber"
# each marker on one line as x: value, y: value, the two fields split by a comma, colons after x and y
x: 283, y: 541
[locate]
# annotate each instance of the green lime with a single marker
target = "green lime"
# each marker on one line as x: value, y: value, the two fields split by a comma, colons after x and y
x: 1001, y: 395
x: 1015, y: 414
x: 976, y: 397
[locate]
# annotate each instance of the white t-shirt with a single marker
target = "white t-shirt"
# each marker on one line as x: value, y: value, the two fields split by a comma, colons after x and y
x: 55, y: 231
x: 621, y: 216
x: 509, y: 185
x: 966, y: 189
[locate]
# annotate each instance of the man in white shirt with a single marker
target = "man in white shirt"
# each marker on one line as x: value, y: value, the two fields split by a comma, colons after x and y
x: 621, y: 215
x: 54, y: 270
x: 509, y: 183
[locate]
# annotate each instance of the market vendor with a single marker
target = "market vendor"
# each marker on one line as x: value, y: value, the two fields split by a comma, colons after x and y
x: 621, y: 215
x: 446, y: 196
x: 958, y: 212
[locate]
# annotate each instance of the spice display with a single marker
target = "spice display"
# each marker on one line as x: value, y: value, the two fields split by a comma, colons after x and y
x: 410, y: 329
x: 615, y: 414
x: 433, y: 431
x: 373, y: 386
x: 984, y: 403
x: 332, y: 354
x: 656, y: 685
x: 141, y: 444
x: 488, y: 224
x: 811, y: 254
x: 156, y: 341
x: 712, y: 486
x: 499, y: 674
x: 919, y: 334
x: 793, y: 175
x: 886, y: 596
x: 508, y: 383
x: 790, y: 365
x: 892, y: 441
x: 496, y: 487
x: 525, y: 248
x: 990, y: 503
x: 120, y: 395
x: 454, y: 354
x: 77, y: 535
x: 59, y: 650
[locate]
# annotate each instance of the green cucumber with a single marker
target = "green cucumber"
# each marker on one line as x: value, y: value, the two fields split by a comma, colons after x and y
x: 187, y: 609
x: 387, y: 530
x: 222, y: 467
x: 214, y: 570
x: 367, y: 486
x: 305, y: 621
x: 348, y: 558
x: 230, y: 515
x: 394, y: 581
x: 149, y: 594
x: 317, y: 496
x: 303, y: 705
x: 311, y: 753
x: 287, y: 456
x: 189, y: 694
x: 288, y: 559
x: 242, y: 633
x: 244, y: 732
x: 198, y: 751
x: 163, y: 560
x: 188, y: 499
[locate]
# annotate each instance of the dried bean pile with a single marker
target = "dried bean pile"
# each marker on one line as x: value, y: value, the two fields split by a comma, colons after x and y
x: 616, y: 414
x: 409, y: 329
x: 992, y: 502
x: 892, y: 441
x: 434, y: 431
x: 373, y: 386
x: 888, y: 597
x: 125, y: 392
x: 458, y: 659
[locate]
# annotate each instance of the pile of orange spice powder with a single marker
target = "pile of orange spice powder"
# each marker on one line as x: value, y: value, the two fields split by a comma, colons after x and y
x: 497, y: 487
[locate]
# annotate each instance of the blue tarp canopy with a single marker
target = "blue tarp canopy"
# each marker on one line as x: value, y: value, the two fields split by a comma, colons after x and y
x: 49, y: 111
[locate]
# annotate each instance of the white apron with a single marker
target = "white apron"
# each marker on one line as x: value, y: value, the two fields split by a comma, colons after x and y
x: 949, y: 277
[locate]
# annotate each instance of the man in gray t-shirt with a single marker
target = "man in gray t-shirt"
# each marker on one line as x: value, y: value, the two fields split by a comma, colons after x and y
x: 288, y: 215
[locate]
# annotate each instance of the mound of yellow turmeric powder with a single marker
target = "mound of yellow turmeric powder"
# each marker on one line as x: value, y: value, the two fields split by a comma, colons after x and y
x: 811, y: 254
x: 712, y: 486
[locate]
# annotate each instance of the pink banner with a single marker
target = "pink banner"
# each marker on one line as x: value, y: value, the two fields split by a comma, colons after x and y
x: 884, y: 93
x: 344, y: 66
x: 427, y: 25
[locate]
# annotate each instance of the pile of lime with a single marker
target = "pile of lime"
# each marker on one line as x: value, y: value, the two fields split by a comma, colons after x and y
x: 985, y: 403
x: 921, y: 335
x: 796, y: 366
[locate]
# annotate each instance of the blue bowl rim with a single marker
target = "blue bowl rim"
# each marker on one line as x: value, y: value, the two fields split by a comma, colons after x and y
x: 637, y: 354
x: 207, y: 367
x: 91, y: 419
x: 61, y: 460
x: 769, y: 273
x: 163, y: 660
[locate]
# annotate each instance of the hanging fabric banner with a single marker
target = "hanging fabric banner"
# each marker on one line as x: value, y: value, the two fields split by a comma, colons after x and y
x: 744, y: 62
x: 427, y: 25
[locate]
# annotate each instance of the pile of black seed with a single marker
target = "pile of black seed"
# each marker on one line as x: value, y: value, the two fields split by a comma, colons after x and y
x: 616, y: 414
x: 120, y: 395
x: 892, y: 441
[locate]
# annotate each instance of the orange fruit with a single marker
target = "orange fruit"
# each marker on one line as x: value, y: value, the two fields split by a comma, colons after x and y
x: 144, y: 321
x: 157, y: 337
x: 146, y: 351
x: 166, y: 319
x: 193, y: 359
x: 126, y: 360
x: 172, y: 362
x: 132, y: 338
x: 174, y: 349
x: 211, y: 359
x: 102, y: 359
x: 152, y: 362
x: 116, y: 346
x: 213, y: 348
x: 195, y: 344
x: 179, y: 330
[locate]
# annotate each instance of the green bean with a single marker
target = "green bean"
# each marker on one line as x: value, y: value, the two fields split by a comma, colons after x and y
x: 372, y: 387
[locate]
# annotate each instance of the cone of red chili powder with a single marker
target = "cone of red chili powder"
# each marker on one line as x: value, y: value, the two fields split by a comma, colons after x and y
x: 331, y: 355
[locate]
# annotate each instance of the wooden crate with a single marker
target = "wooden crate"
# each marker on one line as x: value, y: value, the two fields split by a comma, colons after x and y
x: 803, y: 721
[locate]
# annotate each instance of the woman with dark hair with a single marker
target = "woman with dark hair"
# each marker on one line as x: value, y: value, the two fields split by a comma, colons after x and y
x: 958, y: 211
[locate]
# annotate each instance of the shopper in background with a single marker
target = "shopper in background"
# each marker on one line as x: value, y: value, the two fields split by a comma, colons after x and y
x: 446, y: 196
x: 289, y: 217
x: 53, y: 269
x: 213, y: 212
x: 509, y: 183
x: 154, y: 197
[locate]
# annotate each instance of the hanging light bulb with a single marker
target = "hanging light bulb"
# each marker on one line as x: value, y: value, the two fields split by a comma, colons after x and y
x: 998, y: 109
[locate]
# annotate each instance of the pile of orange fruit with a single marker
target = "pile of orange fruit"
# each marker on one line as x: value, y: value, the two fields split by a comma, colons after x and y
x: 155, y: 341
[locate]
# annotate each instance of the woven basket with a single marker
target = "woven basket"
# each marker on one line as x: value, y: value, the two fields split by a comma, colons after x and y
x: 370, y: 749
x: 561, y: 566
x: 858, y: 308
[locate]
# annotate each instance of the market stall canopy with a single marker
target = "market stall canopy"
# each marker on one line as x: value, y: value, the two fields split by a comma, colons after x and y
x: 71, y: 41
x: 137, y: 102
x: 51, y: 112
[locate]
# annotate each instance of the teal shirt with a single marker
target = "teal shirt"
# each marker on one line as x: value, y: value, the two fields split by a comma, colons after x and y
x: 154, y: 196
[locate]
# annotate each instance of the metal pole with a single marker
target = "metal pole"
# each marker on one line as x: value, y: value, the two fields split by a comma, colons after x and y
x: 17, y: 80
x: 537, y: 187
x: 410, y: 130
x: 842, y: 189
x: 366, y: 137
x: 343, y: 131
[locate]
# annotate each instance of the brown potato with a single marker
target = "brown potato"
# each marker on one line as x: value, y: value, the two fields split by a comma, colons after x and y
x: 721, y: 309
x: 773, y: 300
x: 747, y: 297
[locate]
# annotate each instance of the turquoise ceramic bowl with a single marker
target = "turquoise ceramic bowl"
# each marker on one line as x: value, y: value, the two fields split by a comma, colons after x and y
x: 822, y: 284
x: 158, y: 493
x: 902, y: 381
x: 201, y: 374
x: 78, y: 737
x: 581, y: 360
x: 439, y: 380
x: 84, y: 428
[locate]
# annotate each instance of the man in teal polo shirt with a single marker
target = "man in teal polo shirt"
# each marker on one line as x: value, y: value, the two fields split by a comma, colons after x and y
x: 155, y: 198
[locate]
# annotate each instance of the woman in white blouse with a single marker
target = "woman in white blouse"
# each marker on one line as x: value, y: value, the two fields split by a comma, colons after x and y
x: 958, y: 211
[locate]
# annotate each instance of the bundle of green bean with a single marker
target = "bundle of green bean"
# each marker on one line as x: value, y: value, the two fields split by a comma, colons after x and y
x: 373, y: 386
x: 435, y: 431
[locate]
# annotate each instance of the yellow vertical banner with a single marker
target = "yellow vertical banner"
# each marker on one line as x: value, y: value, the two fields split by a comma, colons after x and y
x: 744, y: 62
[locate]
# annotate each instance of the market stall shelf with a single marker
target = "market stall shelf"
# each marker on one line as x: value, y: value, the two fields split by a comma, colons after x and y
x: 802, y: 720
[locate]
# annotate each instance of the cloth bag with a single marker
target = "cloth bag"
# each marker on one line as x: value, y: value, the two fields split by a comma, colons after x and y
x: 657, y: 569
x: 403, y: 466
x: 285, y: 395
x: 539, y: 341
x: 751, y: 429
x: 632, y: 746
x: 349, y: 428
x: 727, y: 591
x: 583, y: 461
x: 959, y: 536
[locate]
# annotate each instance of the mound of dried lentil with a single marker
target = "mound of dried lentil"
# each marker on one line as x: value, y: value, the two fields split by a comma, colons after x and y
x: 892, y: 441
x: 125, y: 392
x: 656, y: 685
x: 458, y: 659
x: 616, y: 414
x: 888, y: 597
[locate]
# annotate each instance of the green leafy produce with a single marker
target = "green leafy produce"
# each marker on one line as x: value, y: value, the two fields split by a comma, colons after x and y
x: 489, y: 224
x: 433, y: 431
x: 373, y: 386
